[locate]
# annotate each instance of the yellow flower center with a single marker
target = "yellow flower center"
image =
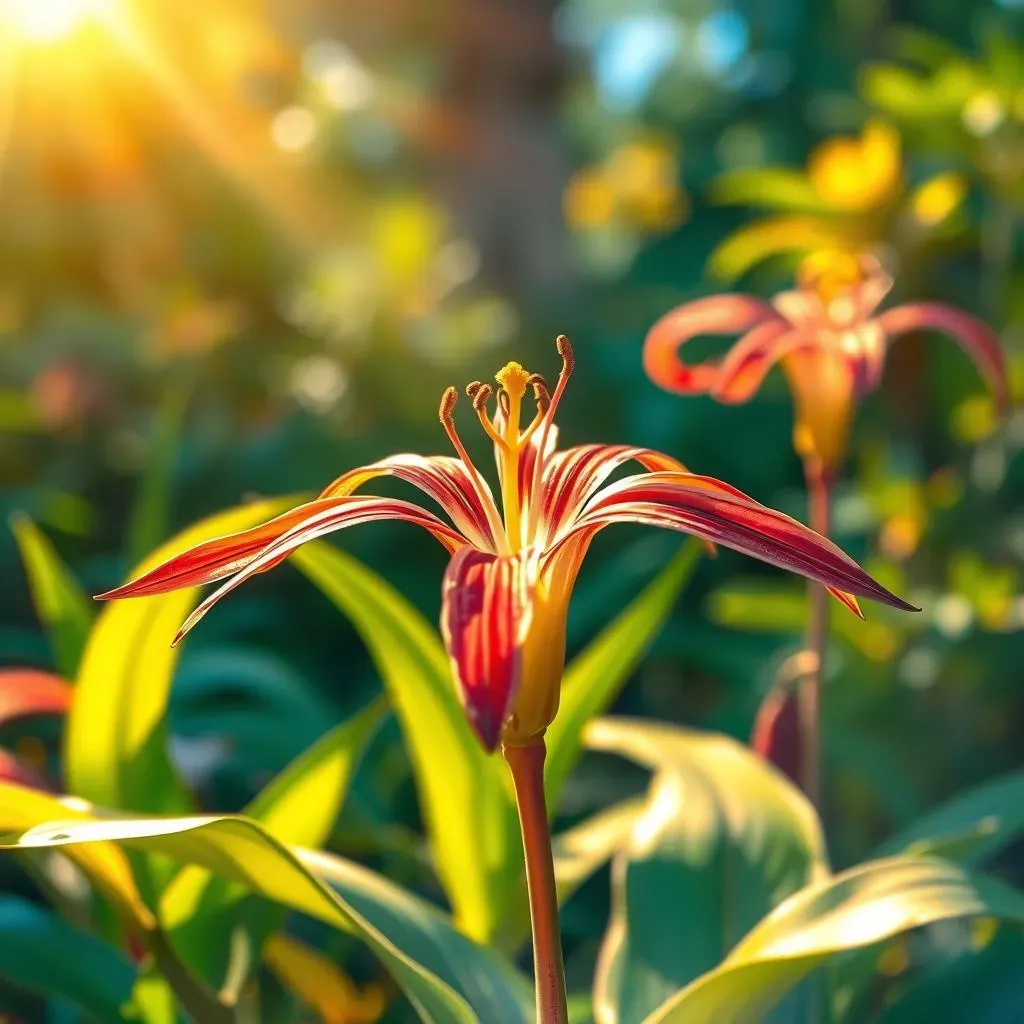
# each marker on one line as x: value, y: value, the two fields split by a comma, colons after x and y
x: 830, y: 275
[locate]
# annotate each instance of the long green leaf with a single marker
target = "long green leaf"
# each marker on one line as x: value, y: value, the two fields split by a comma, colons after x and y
x: 115, y: 743
x: 977, y: 823
x: 298, y: 807
x: 447, y: 978
x: 62, y: 607
x: 594, y: 678
x: 40, y: 953
x: 859, y: 907
x: 722, y: 840
x: 464, y: 794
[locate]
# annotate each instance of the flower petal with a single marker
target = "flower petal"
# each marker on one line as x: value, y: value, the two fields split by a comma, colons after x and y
x: 745, y: 366
x: 977, y: 339
x: 486, y: 612
x: 27, y: 691
x: 441, y: 477
x: 718, y: 314
x: 223, y: 556
x: 573, y: 475
x: 714, y: 511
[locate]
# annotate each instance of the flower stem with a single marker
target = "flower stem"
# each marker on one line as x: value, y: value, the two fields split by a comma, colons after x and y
x: 818, y: 492
x: 526, y: 763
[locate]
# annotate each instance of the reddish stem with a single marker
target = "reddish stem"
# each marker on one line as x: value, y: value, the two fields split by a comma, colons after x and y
x: 819, y: 496
x: 526, y: 764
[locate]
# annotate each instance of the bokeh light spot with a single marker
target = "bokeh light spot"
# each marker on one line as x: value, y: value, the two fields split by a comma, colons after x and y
x: 293, y: 129
x: 631, y: 54
x: 722, y: 39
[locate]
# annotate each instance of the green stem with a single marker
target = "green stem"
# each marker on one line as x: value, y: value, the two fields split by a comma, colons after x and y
x: 197, y: 1000
x: 526, y: 764
x: 817, y: 642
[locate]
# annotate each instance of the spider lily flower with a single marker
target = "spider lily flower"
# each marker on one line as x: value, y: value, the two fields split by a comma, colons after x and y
x: 506, y: 590
x: 829, y: 338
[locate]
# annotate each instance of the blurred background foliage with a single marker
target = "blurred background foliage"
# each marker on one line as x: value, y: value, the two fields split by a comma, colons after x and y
x: 243, y: 247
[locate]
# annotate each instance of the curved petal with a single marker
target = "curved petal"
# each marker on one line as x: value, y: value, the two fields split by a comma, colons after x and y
x: 573, y: 475
x: 12, y: 770
x: 224, y: 556
x: 743, y: 370
x: 441, y: 477
x: 486, y: 612
x: 718, y: 314
x: 27, y: 691
x: 712, y: 510
x: 977, y: 339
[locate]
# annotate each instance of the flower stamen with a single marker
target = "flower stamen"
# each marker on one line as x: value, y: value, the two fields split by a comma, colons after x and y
x: 564, y: 349
x: 446, y: 415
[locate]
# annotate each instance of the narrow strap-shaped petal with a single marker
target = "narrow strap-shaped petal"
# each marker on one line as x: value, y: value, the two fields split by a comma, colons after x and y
x: 486, y: 612
x: 717, y: 314
x: 718, y: 513
x: 224, y: 556
x: 573, y: 475
x: 744, y: 368
x: 333, y: 515
x: 27, y: 691
x: 441, y: 477
x: 977, y: 339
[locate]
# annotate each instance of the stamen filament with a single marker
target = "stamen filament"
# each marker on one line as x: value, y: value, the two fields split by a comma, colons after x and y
x: 445, y: 413
x: 568, y: 362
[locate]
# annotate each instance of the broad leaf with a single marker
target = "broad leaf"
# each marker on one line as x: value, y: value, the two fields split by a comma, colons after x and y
x: 594, y: 678
x: 444, y: 975
x: 115, y: 745
x: 773, y: 236
x: 723, y: 839
x: 42, y: 954
x: 970, y: 827
x: 298, y: 807
x: 464, y: 794
x: 62, y: 607
x: 859, y: 907
x: 775, y: 188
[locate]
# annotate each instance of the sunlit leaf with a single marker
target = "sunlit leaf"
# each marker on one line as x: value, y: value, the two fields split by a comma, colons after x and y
x: 722, y: 840
x: 859, y: 907
x: 321, y: 984
x: 465, y: 795
x: 442, y: 972
x: 298, y: 807
x: 777, y: 188
x: 972, y: 826
x: 62, y: 607
x: 22, y: 808
x: 594, y: 678
x: 115, y: 744
x: 774, y: 236
x: 42, y: 954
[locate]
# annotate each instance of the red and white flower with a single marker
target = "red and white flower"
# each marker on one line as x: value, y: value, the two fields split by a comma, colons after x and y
x: 829, y: 337
x: 506, y: 590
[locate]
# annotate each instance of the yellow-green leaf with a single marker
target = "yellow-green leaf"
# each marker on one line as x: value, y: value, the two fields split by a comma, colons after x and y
x: 857, y: 908
x: 115, y: 741
x: 62, y: 607
x: 447, y: 978
x: 774, y: 236
x: 777, y: 188
x: 464, y: 794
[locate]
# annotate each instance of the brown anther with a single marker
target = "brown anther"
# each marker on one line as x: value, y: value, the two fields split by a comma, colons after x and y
x: 448, y: 400
x: 481, y: 395
x: 541, y: 395
x: 472, y: 388
x: 565, y: 351
x: 503, y: 401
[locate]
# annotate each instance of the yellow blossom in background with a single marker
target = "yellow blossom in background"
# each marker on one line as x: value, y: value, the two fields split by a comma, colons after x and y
x: 636, y: 188
x: 850, y: 198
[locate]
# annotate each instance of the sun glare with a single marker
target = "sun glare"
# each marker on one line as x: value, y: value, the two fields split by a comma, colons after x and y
x: 47, y: 21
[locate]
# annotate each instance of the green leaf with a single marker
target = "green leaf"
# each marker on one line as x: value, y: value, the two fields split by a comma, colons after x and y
x: 594, y: 678
x: 859, y: 907
x: 464, y: 794
x: 148, y: 523
x: 448, y: 978
x: 970, y: 827
x: 62, y: 607
x: 115, y: 743
x: 774, y: 188
x: 40, y: 953
x: 722, y: 840
x: 298, y: 807
x: 756, y: 242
